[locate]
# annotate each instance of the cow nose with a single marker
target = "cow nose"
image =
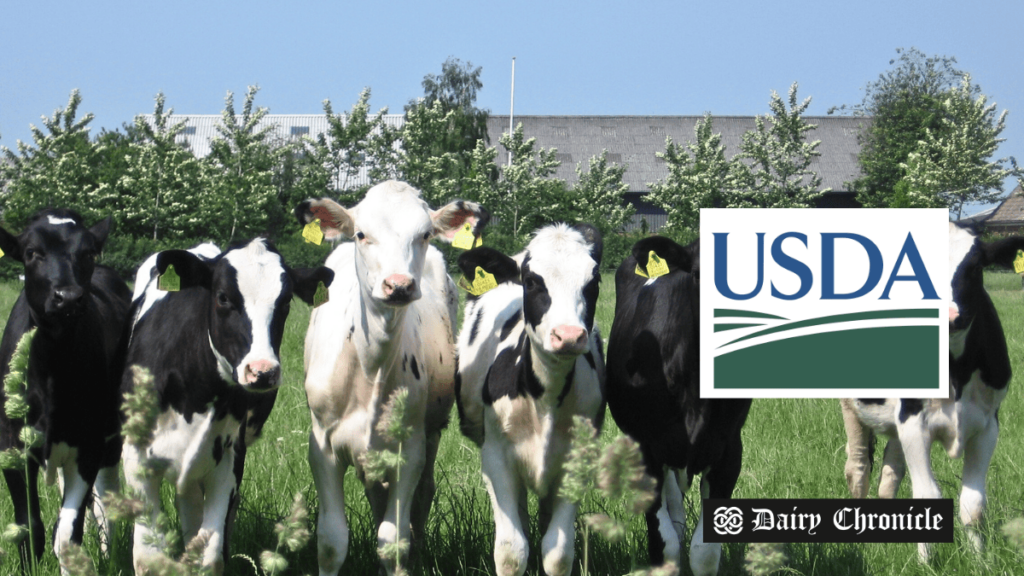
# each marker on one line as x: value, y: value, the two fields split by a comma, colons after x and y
x: 953, y: 314
x: 67, y: 298
x: 398, y: 287
x: 264, y: 373
x: 569, y: 339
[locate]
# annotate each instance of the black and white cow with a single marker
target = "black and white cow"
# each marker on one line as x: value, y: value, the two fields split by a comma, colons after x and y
x: 967, y: 422
x: 530, y: 360
x: 654, y: 396
x: 212, y: 349
x: 79, y: 309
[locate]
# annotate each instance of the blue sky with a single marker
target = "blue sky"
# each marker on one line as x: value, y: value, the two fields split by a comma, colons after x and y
x: 587, y: 58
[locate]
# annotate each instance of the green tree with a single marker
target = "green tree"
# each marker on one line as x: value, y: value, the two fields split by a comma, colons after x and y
x: 61, y: 169
x: 598, y: 196
x: 952, y: 165
x: 456, y: 89
x: 776, y: 158
x: 525, y: 196
x: 903, y: 104
x: 245, y: 161
x: 699, y: 176
x: 165, y: 187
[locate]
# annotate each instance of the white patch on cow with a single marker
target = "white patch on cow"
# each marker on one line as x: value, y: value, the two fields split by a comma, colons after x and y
x: 258, y: 272
x: 54, y: 221
x: 224, y: 368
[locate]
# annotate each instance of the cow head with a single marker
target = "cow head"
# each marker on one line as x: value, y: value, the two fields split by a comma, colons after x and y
x: 250, y: 290
x: 59, y: 254
x: 968, y: 257
x: 683, y: 262
x: 559, y: 273
x: 392, y: 227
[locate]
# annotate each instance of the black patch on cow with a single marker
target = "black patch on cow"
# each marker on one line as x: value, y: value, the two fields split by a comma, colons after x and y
x: 509, y: 325
x: 591, y: 291
x: 590, y: 360
x: 910, y: 407
x: 510, y: 374
x: 474, y: 328
x: 503, y: 268
x: 415, y: 368
x: 405, y: 362
x: 536, y: 299
x: 871, y: 400
x: 218, y: 449
x: 568, y: 385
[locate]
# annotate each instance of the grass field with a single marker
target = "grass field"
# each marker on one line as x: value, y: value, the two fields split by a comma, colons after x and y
x: 793, y: 448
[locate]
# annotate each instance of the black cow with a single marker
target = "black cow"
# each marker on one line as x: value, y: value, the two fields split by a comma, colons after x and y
x: 79, y: 309
x: 654, y: 395
x: 967, y: 422
x: 212, y: 349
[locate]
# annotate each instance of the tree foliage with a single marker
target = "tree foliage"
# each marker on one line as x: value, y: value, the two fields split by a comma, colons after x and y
x: 904, y: 103
x: 699, y: 176
x: 775, y: 171
x: 598, y: 196
x: 952, y: 164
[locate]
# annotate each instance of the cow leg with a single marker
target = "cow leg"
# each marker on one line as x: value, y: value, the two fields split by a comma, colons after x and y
x: 25, y: 498
x: 107, y: 481
x: 71, y: 519
x: 977, y: 456
x: 858, y: 450
x: 148, y: 487
x: 219, y: 486
x: 894, y: 468
x: 511, y: 548
x: 189, y: 501
x: 719, y: 482
x: 396, y: 524
x: 672, y: 496
x: 662, y: 538
x: 240, y: 447
x: 424, y: 497
x: 558, y: 545
x: 917, y: 442
x: 331, y: 526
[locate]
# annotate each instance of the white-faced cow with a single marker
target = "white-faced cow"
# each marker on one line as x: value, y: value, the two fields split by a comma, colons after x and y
x: 654, y: 396
x: 387, y: 327
x: 79, y: 309
x: 967, y: 422
x: 530, y: 360
x: 212, y: 348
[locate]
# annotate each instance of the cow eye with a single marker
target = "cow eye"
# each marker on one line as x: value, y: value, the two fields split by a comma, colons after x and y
x: 360, y: 236
x: 222, y: 299
x: 426, y: 236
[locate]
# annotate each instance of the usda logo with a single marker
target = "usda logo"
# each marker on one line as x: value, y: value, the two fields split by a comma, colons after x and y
x: 824, y: 303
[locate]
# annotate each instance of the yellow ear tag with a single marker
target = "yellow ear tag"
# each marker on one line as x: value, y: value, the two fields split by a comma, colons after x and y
x: 169, y: 281
x: 656, y: 267
x: 1, y: 253
x: 464, y: 238
x: 1018, y: 263
x: 312, y: 232
x: 483, y: 283
x: 321, y: 295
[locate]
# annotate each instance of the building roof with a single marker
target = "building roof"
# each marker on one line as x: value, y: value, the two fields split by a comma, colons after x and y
x: 1010, y: 211
x: 630, y: 140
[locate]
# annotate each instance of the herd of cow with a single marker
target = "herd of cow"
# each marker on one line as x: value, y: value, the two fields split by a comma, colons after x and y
x: 528, y: 359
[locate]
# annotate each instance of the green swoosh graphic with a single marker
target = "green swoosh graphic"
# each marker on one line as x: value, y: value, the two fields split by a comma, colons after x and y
x: 873, y: 315
x: 724, y: 327
x: 726, y: 313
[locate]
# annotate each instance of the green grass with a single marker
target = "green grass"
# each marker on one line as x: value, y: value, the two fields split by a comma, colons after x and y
x: 793, y: 448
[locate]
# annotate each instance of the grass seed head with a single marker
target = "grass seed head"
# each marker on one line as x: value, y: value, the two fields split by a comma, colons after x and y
x: 121, y: 508
x: 621, y: 474
x: 609, y: 528
x: 15, y: 533
x: 12, y: 458
x: 272, y: 562
x: 764, y: 559
x: 667, y: 569
x: 581, y: 462
x: 141, y: 409
x: 392, y: 425
x: 293, y: 531
x: 75, y: 562
x: 1014, y: 532
x: 192, y: 557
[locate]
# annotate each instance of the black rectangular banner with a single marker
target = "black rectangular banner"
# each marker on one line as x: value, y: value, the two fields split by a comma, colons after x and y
x: 828, y: 520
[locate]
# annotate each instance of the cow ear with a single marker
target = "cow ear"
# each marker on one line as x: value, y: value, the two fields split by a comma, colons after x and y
x: 306, y: 281
x: 193, y: 270
x: 593, y: 237
x: 677, y: 257
x: 448, y: 220
x: 10, y: 245
x: 1002, y: 252
x: 335, y: 220
x: 503, y: 268
x: 101, y: 230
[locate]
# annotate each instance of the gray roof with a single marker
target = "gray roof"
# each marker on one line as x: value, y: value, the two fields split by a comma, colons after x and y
x: 630, y: 140
x: 1009, y: 212
x: 634, y: 140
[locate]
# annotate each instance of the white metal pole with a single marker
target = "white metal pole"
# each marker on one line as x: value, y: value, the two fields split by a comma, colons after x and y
x: 512, y: 106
